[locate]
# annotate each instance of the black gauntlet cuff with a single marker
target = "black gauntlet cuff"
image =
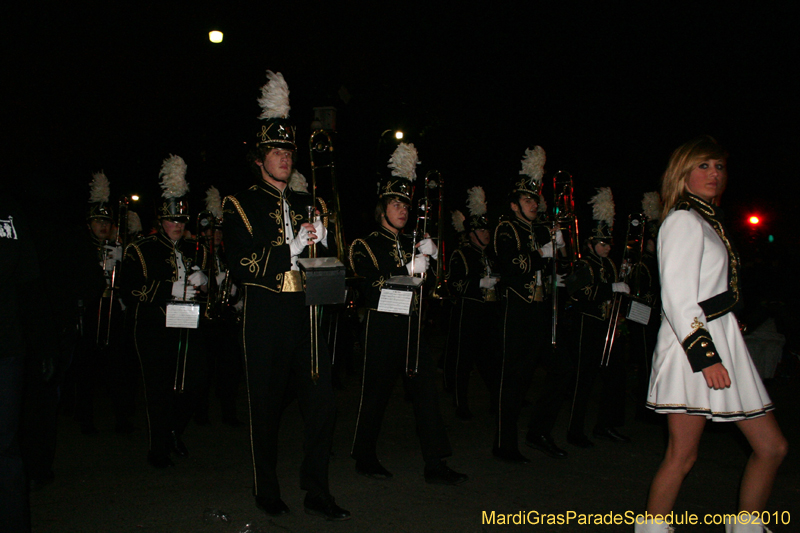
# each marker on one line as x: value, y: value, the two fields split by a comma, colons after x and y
x: 700, y: 350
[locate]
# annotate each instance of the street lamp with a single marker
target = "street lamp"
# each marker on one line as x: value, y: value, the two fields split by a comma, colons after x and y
x: 215, y: 36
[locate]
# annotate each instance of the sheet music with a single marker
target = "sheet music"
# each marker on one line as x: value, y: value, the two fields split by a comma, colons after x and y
x: 393, y: 301
x: 639, y: 313
x: 183, y: 315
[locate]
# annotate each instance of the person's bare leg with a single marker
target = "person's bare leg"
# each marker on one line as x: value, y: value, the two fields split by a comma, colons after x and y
x: 769, y: 448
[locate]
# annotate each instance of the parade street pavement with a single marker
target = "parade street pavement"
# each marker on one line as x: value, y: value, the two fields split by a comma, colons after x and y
x: 103, y: 482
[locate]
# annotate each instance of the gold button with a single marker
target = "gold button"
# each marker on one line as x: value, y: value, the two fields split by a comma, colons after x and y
x: 710, y: 354
x: 704, y: 344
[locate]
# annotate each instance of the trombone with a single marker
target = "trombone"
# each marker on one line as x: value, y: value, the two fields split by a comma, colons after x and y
x: 120, y: 241
x: 564, y: 218
x: 634, y: 245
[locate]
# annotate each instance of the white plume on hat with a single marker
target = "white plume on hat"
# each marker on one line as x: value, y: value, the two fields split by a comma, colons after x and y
x: 134, y: 223
x: 603, y: 206
x: 533, y: 163
x: 214, y: 202
x: 458, y: 220
x: 274, y: 99
x: 476, y: 201
x: 651, y: 205
x: 298, y: 182
x: 173, y: 177
x: 99, y: 188
x: 404, y: 161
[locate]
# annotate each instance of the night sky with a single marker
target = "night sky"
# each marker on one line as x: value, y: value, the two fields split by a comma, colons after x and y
x: 608, y: 91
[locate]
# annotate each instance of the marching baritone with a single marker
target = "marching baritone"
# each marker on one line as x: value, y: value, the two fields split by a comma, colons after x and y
x: 473, y: 280
x: 265, y: 236
x: 523, y: 249
x: 392, y: 346
x: 592, y: 286
x: 164, y: 270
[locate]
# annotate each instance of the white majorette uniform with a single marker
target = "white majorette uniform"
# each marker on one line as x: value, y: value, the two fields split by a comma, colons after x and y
x: 699, y: 289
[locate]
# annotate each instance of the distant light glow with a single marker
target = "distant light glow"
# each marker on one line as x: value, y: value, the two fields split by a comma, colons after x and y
x: 771, y: 238
x: 398, y: 135
x: 215, y: 36
x: 754, y: 220
x: 135, y: 197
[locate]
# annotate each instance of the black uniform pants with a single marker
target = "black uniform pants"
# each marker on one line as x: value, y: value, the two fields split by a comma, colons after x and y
x: 590, y: 351
x: 277, y: 347
x: 172, y: 361
x: 385, y: 359
x: 527, y: 331
x: 476, y: 345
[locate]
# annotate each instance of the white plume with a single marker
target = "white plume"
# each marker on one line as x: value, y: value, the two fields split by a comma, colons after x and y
x: 134, y: 223
x: 651, y: 205
x: 458, y: 220
x: 533, y: 163
x: 404, y: 161
x: 298, y: 182
x: 274, y: 99
x: 542, y: 204
x: 214, y: 202
x: 603, y: 206
x: 173, y: 177
x: 476, y: 201
x: 99, y: 188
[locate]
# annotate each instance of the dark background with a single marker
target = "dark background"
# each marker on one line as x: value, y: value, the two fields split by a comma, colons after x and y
x: 609, y: 90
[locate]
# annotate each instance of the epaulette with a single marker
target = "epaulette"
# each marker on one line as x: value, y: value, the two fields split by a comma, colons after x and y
x: 683, y: 205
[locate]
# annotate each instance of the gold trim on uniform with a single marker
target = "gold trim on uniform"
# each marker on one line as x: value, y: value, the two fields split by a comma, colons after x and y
x: 369, y: 251
x: 239, y: 210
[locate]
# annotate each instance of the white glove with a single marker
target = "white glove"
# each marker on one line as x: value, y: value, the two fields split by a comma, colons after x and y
x: 113, y: 252
x: 621, y: 287
x: 547, y: 250
x: 108, y: 265
x: 560, y: 280
x: 300, y: 242
x: 177, y: 290
x: 321, y: 231
x: 418, y: 265
x: 560, y: 240
x: 428, y: 247
x: 239, y: 306
x: 487, y: 282
x: 234, y: 290
x: 197, y: 279
x: 220, y: 278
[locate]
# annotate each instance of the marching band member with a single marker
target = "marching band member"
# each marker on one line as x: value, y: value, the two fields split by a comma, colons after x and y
x: 265, y: 237
x: 701, y: 368
x: 592, y: 286
x: 472, y: 277
x: 523, y: 249
x: 390, y: 345
x: 159, y: 270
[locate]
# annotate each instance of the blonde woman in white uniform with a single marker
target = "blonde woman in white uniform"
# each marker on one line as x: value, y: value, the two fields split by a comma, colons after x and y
x: 701, y: 366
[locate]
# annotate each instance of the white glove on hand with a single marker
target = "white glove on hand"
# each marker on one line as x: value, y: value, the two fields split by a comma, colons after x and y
x: 428, y: 247
x: 322, y: 233
x: 560, y: 280
x: 108, y: 265
x: 113, y: 252
x: 547, y: 250
x: 198, y: 279
x: 177, y: 291
x: 621, y: 287
x: 234, y: 290
x: 239, y: 306
x: 560, y: 240
x: 300, y: 242
x: 487, y: 282
x: 220, y: 278
x: 418, y: 265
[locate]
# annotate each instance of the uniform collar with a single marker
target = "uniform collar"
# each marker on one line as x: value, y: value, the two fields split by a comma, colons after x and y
x: 166, y: 241
x: 273, y: 190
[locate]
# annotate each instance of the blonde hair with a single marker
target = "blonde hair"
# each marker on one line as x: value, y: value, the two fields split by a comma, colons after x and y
x: 683, y: 160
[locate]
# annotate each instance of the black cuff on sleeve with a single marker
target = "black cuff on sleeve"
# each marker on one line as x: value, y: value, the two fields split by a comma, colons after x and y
x: 700, y: 350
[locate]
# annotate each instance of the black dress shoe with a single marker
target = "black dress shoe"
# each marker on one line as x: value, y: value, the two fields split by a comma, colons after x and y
x: 159, y: 461
x: 441, y: 474
x: 510, y: 457
x: 372, y: 469
x: 610, y: 434
x: 545, y: 443
x: 178, y: 446
x: 274, y: 507
x: 324, y: 505
x: 579, y: 440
